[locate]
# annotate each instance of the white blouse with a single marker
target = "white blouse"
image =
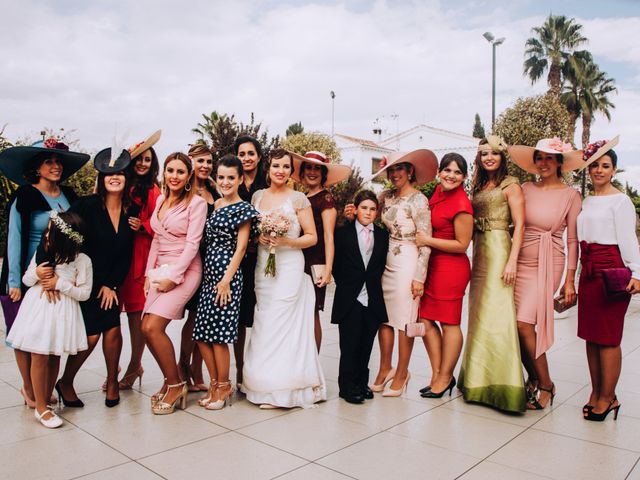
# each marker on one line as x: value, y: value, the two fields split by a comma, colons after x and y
x: 611, y: 220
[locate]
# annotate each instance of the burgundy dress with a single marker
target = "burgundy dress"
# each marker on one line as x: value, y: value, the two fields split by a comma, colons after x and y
x: 320, y: 202
x: 448, y: 273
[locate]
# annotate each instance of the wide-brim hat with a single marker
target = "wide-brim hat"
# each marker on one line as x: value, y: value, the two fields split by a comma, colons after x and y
x: 522, y: 155
x: 425, y: 164
x: 595, y: 150
x: 104, y: 162
x: 145, y: 145
x: 336, y: 173
x: 15, y: 160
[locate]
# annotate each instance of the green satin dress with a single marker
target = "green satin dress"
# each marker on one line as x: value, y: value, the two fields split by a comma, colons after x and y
x: 491, y: 371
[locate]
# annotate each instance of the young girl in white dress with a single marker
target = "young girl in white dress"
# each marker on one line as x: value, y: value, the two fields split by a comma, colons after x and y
x: 50, y: 322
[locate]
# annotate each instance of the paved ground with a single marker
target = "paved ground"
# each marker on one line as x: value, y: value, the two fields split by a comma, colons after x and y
x: 387, y: 438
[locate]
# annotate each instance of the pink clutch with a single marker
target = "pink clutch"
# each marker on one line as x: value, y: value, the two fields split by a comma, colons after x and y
x: 616, y: 279
x: 163, y: 272
x: 414, y: 329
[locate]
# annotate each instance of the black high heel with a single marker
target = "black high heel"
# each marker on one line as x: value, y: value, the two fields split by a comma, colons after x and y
x: 425, y: 389
x: 534, y: 403
x: 600, y: 417
x: 111, y: 403
x: 68, y: 403
x: 432, y: 394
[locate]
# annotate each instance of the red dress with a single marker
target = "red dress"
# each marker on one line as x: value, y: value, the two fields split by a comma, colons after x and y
x: 448, y: 273
x: 131, y: 293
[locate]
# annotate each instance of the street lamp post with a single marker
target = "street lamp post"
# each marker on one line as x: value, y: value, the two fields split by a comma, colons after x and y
x: 333, y: 110
x: 494, y: 43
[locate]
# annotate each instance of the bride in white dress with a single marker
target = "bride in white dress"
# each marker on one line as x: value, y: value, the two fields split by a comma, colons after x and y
x: 281, y: 365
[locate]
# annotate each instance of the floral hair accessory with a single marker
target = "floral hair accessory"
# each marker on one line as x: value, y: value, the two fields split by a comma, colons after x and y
x: 54, y: 143
x: 65, y: 228
x: 494, y: 144
x: 558, y: 145
x: 383, y: 162
x: 592, y: 148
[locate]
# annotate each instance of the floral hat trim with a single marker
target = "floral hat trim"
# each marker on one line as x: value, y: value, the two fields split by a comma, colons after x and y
x: 65, y: 228
x: 54, y: 143
x: 558, y: 145
x: 592, y: 148
x: 494, y: 144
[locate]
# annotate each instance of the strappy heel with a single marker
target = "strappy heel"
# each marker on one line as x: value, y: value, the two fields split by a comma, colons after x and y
x: 204, y: 401
x: 104, y: 385
x: 156, y: 397
x: 380, y: 387
x: 600, y: 417
x: 164, y: 408
x: 129, y: 380
x: 225, y: 397
x: 534, y: 403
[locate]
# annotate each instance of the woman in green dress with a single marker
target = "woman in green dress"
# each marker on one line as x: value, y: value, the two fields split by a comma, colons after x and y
x: 491, y: 371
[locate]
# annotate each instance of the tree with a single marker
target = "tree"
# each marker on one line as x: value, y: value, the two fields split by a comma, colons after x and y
x: 304, y: 142
x: 529, y: 120
x: 594, y: 90
x: 221, y: 131
x: 344, y: 192
x: 549, y: 49
x: 294, y: 129
x: 478, y: 128
x: 572, y: 71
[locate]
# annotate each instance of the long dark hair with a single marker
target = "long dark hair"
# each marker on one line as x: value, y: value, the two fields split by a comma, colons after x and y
x: 480, y: 175
x: 58, y: 245
x: 102, y: 190
x: 140, y: 185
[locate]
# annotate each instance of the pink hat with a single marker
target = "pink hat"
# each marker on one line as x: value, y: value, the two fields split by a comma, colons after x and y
x: 336, y: 173
x: 522, y: 155
x: 425, y: 164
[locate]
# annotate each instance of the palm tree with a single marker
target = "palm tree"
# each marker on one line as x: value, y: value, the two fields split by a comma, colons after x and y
x: 594, y: 94
x: 548, y: 50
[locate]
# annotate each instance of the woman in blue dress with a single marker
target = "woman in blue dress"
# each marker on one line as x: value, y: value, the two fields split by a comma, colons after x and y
x: 226, y: 237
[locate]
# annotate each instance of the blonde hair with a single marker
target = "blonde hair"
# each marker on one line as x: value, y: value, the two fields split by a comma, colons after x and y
x: 188, y: 191
x: 198, y: 149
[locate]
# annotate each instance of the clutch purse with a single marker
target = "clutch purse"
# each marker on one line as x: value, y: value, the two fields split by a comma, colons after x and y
x: 163, y: 272
x: 414, y: 329
x: 316, y: 273
x: 559, y: 304
x: 616, y: 279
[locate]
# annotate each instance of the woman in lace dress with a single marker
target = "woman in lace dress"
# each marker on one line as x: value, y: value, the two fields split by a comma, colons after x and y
x: 281, y: 365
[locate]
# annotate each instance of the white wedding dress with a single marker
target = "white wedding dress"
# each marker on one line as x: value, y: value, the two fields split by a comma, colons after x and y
x: 281, y: 365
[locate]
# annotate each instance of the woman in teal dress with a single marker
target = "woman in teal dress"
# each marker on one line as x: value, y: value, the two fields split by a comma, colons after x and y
x: 491, y: 372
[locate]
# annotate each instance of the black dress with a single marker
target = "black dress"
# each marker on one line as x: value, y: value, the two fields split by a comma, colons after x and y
x: 110, y: 253
x: 216, y: 324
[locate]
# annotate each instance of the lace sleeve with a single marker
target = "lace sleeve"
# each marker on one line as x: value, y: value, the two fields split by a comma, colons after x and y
x: 299, y: 201
x: 421, y: 216
x: 256, y: 198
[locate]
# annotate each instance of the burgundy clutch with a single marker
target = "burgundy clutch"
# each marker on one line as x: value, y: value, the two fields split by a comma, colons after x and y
x: 616, y: 280
x: 559, y: 304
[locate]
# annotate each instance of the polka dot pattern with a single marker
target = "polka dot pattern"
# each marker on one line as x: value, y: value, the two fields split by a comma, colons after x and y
x: 216, y: 324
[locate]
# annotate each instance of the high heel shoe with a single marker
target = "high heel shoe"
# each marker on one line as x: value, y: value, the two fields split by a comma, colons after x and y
x: 129, y: 380
x: 156, y: 397
x: 67, y: 403
x: 432, y: 394
x: 389, y: 392
x: 27, y: 401
x: 534, y: 403
x: 225, y: 396
x: 104, y: 385
x: 164, y: 408
x: 52, y: 422
x: 600, y: 417
x: 204, y: 401
x: 111, y: 403
x: 380, y: 387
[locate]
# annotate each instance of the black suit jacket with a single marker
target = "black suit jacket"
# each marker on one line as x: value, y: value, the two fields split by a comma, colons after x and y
x: 350, y: 274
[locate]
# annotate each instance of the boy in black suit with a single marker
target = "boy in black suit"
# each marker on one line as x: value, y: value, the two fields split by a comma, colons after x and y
x: 358, y: 304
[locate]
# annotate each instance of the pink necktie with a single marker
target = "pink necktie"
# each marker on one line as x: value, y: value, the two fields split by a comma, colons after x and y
x: 367, y: 239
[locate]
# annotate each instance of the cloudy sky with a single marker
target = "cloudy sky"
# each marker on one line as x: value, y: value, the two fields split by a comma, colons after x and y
x: 102, y: 66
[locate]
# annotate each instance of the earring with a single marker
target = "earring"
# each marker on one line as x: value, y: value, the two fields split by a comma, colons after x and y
x: 187, y: 187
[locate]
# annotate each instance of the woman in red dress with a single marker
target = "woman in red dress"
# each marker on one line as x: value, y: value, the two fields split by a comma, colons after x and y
x: 448, y: 274
x: 143, y: 172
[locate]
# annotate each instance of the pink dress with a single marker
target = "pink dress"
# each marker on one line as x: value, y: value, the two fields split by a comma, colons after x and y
x: 548, y: 213
x: 176, y: 243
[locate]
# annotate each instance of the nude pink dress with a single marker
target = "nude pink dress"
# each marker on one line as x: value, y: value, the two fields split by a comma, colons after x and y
x: 176, y: 243
x: 541, y: 263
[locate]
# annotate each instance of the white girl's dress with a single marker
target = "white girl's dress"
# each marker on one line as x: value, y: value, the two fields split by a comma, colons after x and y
x: 48, y: 328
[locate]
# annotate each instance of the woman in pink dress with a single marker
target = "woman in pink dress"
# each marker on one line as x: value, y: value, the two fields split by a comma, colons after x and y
x: 174, y: 271
x: 551, y: 207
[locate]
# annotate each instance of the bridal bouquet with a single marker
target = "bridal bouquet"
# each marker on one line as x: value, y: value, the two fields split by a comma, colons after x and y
x: 274, y: 224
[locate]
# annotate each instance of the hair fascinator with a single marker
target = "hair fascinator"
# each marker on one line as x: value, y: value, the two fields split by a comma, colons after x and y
x: 495, y: 144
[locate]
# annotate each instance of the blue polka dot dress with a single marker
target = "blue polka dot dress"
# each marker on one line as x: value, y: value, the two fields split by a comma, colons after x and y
x: 216, y: 324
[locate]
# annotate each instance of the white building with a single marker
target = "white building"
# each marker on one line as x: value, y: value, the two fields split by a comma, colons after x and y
x: 366, y: 154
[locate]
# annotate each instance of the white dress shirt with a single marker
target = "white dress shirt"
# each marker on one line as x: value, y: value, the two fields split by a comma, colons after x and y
x: 365, y: 252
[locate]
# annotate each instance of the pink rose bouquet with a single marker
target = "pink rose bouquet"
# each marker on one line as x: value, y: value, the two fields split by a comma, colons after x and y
x: 274, y: 225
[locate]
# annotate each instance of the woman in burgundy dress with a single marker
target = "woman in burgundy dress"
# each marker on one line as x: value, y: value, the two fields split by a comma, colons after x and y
x: 316, y: 172
x: 448, y: 273
x: 143, y: 172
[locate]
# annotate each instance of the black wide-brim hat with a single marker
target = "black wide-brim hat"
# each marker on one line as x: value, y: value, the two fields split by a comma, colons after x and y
x: 15, y: 160
x: 105, y: 164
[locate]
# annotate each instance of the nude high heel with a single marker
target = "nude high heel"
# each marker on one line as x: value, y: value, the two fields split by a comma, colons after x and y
x: 225, y: 397
x: 128, y: 381
x: 164, y: 408
x: 397, y: 393
x: 204, y: 401
x: 379, y: 388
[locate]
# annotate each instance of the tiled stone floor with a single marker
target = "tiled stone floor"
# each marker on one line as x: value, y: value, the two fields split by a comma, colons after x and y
x: 387, y: 438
